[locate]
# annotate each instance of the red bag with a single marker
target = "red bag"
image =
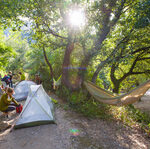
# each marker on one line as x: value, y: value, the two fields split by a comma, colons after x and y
x: 19, y: 108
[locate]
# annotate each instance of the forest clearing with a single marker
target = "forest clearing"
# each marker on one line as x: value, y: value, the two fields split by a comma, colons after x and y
x: 74, y: 74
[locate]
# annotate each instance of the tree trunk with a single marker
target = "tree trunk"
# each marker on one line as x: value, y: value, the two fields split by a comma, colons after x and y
x: 116, y: 83
x: 66, y: 67
x: 49, y: 65
x: 116, y: 87
x: 100, y: 66
x: 83, y: 67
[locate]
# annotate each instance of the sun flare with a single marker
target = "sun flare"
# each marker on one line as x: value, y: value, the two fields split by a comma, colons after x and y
x: 77, y: 18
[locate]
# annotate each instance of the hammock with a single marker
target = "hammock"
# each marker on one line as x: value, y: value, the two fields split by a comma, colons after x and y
x: 125, y: 99
x: 56, y: 82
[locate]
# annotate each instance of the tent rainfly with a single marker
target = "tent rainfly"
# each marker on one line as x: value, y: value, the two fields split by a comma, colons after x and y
x: 37, y: 110
x: 22, y: 90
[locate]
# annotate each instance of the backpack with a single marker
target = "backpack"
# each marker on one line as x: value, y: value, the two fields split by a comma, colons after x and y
x: 19, y: 108
x: 6, y: 79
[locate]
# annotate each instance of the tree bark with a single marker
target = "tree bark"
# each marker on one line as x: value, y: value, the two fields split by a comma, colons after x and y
x: 66, y: 68
x: 100, y: 66
x: 49, y: 65
x: 116, y: 87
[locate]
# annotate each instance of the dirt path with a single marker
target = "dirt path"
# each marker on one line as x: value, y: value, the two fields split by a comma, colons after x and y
x: 92, y: 134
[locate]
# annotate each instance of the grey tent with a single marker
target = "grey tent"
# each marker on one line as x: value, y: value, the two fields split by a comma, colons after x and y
x: 22, y: 90
x: 37, y: 110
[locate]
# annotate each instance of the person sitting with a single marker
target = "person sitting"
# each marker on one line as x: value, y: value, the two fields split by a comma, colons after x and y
x: 22, y: 76
x: 7, y: 102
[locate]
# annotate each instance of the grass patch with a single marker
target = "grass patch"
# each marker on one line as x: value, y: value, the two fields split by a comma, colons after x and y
x: 132, y: 117
x: 82, y: 103
x: 93, y: 110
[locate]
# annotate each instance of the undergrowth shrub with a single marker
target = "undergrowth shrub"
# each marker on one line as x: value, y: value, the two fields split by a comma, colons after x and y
x: 131, y: 116
x: 81, y: 102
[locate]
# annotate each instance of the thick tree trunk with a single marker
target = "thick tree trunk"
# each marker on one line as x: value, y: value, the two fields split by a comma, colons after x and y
x: 83, y: 67
x: 49, y: 65
x: 66, y: 67
x: 100, y: 66
x: 115, y: 82
x: 116, y: 87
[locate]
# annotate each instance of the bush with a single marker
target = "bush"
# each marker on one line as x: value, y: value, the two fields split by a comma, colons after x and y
x: 131, y: 116
x: 84, y: 104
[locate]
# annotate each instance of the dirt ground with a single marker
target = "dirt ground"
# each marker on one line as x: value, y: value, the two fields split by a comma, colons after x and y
x: 91, y: 134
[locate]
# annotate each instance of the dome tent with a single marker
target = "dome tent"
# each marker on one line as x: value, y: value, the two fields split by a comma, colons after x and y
x: 22, y: 90
x: 37, y: 110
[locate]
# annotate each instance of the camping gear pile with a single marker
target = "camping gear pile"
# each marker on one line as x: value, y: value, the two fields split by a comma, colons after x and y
x: 38, y: 108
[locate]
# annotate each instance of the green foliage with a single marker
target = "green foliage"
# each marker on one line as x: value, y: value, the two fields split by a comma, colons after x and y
x: 94, y: 110
x: 123, y: 41
x: 131, y: 116
x: 10, y: 10
x: 20, y: 46
x: 82, y: 103
x: 63, y: 92
x: 36, y: 64
x: 44, y: 75
x: 6, y: 52
x: 143, y: 14
x: 104, y: 77
x: 137, y: 115
x: 54, y: 101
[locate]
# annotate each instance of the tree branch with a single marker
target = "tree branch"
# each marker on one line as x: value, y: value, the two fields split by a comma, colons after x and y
x: 50, y: 31
x: 141, y: 49
x: 141, y: 59
x: 48, y: 63
x: 146, y: 71
x: 118, y: 13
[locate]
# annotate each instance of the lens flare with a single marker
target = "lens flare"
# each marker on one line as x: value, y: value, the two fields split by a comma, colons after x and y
x: 74, y: 132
